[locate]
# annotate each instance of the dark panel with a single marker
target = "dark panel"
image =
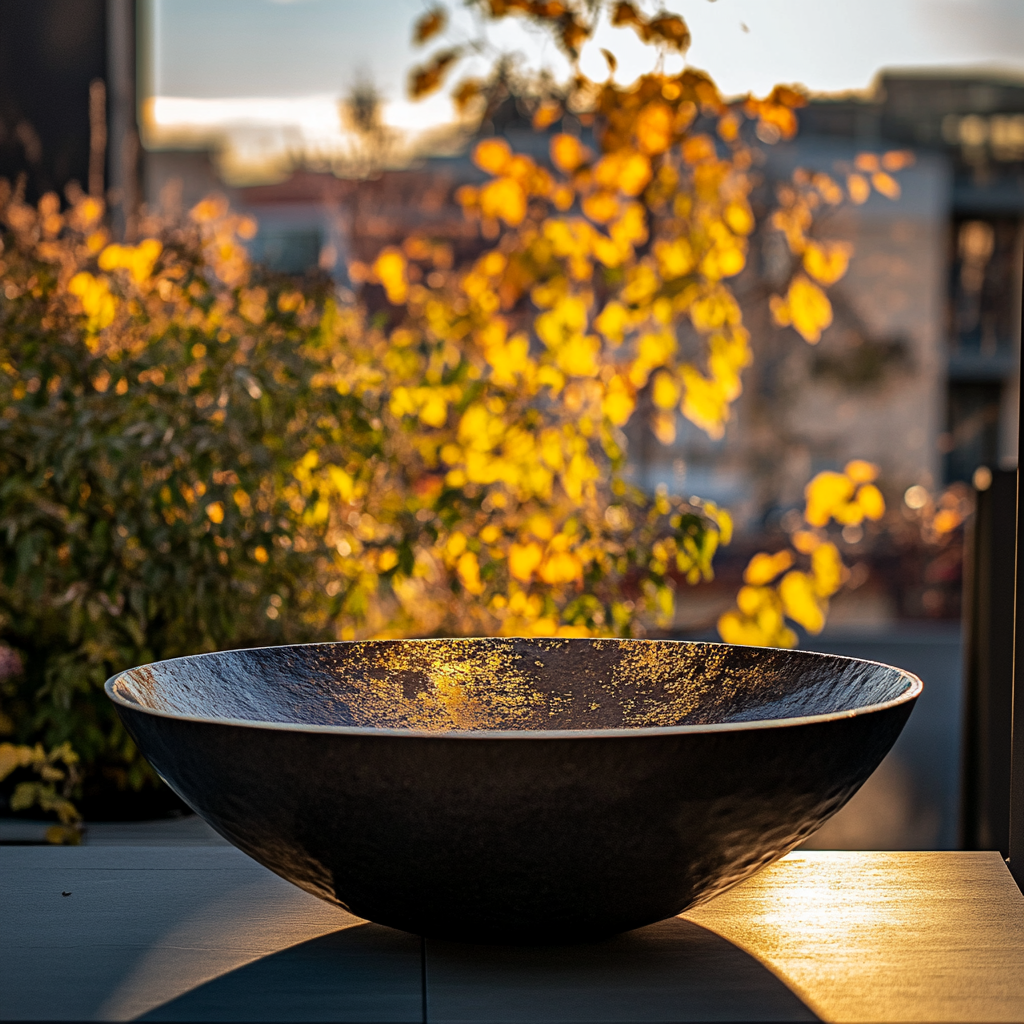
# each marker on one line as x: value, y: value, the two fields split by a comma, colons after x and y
x: 988, y: 667
x: 972, y: 427
x: 50, y: 50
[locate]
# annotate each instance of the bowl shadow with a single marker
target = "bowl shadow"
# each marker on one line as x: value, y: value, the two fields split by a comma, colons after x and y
x: 674, y: 970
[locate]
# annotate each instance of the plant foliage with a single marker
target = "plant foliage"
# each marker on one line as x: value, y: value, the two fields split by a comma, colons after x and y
x: 196, y: 455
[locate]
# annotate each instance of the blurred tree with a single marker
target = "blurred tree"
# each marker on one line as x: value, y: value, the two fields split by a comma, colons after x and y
x: 372, y: 140
x: 621, y: 262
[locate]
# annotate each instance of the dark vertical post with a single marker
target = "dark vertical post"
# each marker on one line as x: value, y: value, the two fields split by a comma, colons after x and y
x: 123, y: 131
x: 988, y: 666
x: 1017, y: 717
x: 50, y: 50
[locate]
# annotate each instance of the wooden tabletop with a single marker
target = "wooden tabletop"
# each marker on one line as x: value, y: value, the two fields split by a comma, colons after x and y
x: 204, y: 933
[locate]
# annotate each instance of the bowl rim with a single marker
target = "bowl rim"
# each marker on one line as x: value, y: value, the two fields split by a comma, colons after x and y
x: 912, y: 691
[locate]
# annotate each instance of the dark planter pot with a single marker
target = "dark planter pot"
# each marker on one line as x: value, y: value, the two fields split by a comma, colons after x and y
x: 515, y: 790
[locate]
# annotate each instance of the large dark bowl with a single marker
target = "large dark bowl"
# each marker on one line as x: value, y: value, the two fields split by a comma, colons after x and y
x: 515, y: 790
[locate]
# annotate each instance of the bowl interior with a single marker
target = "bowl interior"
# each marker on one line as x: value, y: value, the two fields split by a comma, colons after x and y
x: 511, y: 684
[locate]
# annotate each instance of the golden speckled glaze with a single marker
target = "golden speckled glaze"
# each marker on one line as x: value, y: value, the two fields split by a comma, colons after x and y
x: 515, y: 789
x: 508, y: 684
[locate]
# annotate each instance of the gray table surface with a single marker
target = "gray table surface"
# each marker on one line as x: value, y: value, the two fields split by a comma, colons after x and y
x: 203, y: 933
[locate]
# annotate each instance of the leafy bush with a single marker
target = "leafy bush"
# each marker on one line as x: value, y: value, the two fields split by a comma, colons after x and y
x: 194, y: 460
x: 139, y: 406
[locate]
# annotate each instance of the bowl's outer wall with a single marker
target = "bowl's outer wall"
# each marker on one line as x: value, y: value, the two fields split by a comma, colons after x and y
x: 523, y: 839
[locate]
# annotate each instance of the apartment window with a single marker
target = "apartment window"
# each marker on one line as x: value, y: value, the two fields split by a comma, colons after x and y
x: 985, y: 285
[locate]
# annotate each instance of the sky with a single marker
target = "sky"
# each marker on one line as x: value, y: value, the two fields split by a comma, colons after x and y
x: 215, y: 62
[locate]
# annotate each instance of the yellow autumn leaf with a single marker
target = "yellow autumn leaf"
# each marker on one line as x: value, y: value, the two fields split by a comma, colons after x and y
x: 858, y: 187
x: 675, y: 258
x: 551, y: 377
x: 626, y: 171
x: 699, y: 149
x: 634, y: 174
x: 750, y: 600
x: 523, y: 560
x: 618, y: 403
x: 390, y: 268
x: 860, y: 471
x: 563, y: 197
x: 757, y: 621
x: 509, y: 360
x: 827, y: 492
x: 541, y: 526
x: 763, y: 567
x: 429, y: 24
x: 704, y: 402
x: 663, y: 426
x: 343, y: 483
x: 665, y: 391
x: 723, y: 261
x: 567, y: 152
x: 946, y: 520
x: 886, y: 184
x: 613, y: 321
x: 468, y: 569
x: 455, y: 544
x: 724, y: 520
x: 729, y: 354
x: 848, y: 514
x: 147, y: 252
x: 653, y: 128
x: 546, y: 115
x: 826, y: 262
x: 601, y: 207
x: 492, y: 155
x: 578, y: 356
x: 800, y: 601
x: 827, y: 569
x: 86, y: 212
x: 735, y: 628
x: 805, y: 541
x: 503, y: 199
x: 12, y: 757
x: 492, y: 263
x: 609, y: 253
x: 402, y: 402
x: 580, y: 472
x: 434, y: 412
x: 828, y: 189
x: 806, y: 309
x: 561, y: 567
x: 871, y: 502
x: 137, y: 259
x: 715, y: 308
x: 215, y: 512
x: 738, y: 215
x: 94, y: 294
x: 656, y: 348
x: 566, y: 319
x: 631, y: 228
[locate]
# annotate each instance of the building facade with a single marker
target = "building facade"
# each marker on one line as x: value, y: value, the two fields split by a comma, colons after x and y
x: 919, y: 369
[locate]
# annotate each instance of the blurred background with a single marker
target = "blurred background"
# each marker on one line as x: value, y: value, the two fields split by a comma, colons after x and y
x: 296, y: 110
